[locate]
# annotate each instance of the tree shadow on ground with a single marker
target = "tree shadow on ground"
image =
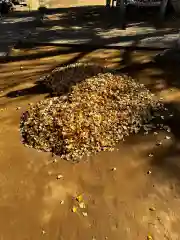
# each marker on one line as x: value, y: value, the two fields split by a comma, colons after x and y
x: 72, y: 76
x: 160, y: 147
x: 80, y: 24
x: 166, y: 157
x: 94, y: 25
x: 161, y: 75
x: 90, y: 24
x: 38, y: 88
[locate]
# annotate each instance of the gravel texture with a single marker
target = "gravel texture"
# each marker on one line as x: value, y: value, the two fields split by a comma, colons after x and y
x: 96, y: 114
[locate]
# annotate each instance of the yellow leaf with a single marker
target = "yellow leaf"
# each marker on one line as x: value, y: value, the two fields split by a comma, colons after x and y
x: 74, y: 209
x: 82, y: 205
x: 80, y: 115
x: 149, y: 237
x: 84, y: 214
x: 79, y: 198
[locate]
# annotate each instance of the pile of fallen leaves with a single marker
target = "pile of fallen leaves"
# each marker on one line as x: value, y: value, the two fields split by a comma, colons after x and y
x: 97, y: 113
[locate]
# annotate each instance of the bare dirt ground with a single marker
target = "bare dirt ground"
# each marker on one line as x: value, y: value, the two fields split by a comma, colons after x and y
x: 128, y: 194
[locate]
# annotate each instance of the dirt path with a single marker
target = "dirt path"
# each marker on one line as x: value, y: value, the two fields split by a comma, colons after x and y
x: 128, y: 194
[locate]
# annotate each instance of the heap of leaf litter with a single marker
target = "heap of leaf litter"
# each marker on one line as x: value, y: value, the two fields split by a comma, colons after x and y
x: 97, y: 113
x: 61, y: 80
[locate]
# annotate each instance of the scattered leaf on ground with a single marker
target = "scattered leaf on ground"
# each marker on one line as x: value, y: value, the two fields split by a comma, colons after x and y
x: 84, y: 214
x: 79, y: 198
x: 74, y: 209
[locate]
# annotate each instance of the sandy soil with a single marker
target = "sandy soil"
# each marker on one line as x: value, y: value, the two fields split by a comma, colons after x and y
x: 128, y: 194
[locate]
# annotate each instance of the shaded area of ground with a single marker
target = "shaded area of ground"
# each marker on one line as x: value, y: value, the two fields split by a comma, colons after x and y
x: 89, y: 24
